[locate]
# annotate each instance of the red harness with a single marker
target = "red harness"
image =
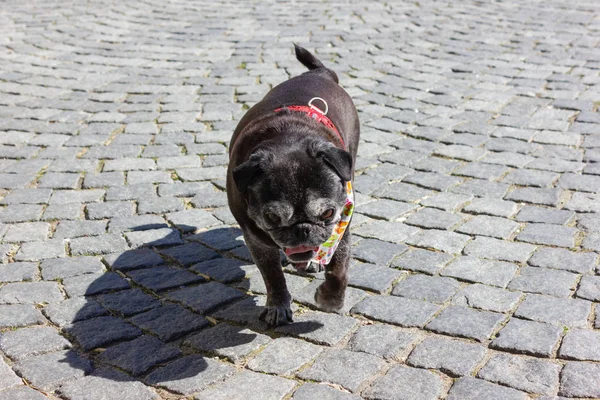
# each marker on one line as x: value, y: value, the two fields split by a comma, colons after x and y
x: 318, y: 115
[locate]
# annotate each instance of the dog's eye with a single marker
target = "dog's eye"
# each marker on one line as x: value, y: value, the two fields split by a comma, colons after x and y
x: 272, y: 218
x: 327, y: 214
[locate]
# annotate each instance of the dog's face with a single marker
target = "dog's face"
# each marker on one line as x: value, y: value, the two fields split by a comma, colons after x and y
x: 296, y: 192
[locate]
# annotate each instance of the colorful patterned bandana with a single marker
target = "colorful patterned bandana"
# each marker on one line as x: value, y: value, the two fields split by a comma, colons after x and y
x: 327, y: 248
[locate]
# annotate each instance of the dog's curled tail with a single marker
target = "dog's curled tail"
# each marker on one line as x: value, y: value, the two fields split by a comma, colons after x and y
x: 311, y: 62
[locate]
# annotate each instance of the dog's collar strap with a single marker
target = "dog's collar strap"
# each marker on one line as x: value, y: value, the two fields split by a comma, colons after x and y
x: 317, y: 114
x: 326, y: 249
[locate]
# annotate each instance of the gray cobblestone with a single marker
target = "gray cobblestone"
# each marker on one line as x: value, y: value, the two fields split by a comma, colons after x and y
x: 570, y: 312
x: 515, y: 371
x: 455, y: 357
x: 528, y: 337
x: 336, y: 366
x: 466, y: 322
x: 468, y: 388
x: 402, y: 382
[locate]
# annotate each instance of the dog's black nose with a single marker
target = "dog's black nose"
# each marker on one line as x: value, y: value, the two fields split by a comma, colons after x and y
x: 302, y: 231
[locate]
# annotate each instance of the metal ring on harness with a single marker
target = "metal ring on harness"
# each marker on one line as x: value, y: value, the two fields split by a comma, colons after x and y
x: 317, y: 108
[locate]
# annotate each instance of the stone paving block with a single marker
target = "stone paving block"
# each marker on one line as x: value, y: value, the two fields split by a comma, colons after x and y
x: 192, y: 220
x: 66, y: 211
x: 473, y: 269
x: 524, y: 373
x: 544, y: 281
x: 548, y: 234
x: 405, y: 192
x: 499, y: 250
x: 48, y: 371
x: 130, y: 192
x: 337, y: 366
x: 466, y: 322
x: 469, y: 388
x: 544, y: 215
x: 376, y: 251
x: 159, y: 205
x: 59, y: 180
x: 20, y: 213
x: 189, y: 374
x: 169, y: 322
x: 447, y: 201
x: 73, y: 229
x: 581, y: 344
x: 30, y: 293
x: 589, y: 288
x: 448, y: 242
x: 27, y: 232
x: 572, y: 313
x: 487, y: 298
x: 434, y: 181
x: 136, y: 223
x: 529, y: 177
x: 23, y: 393
x: 59, y: 268
x: 101, y: 331
x: 548, y: 197
x: 484, y: 225
x: 527, y: 337
x: 18, y: 272
x: 206, y: 297
x: 189, y: 253
x: 396, y: 310
x: 402, y: 382
x: 547, y: 257
x: 91, y: 284
x: 428, y: 288
x: 153, y: 237
x: 103, y: 179
x: 8, y: 378
x: 386, y: 209
x: 372, y: 277
x: 17, y: 315
x: 163, y: 278
x: 76, y: 196
x: 583, y: 202
x: 40, y: 250
x: 321, y: 328
x: 454, y: 357
x: 420, y: 260
x: 284, y: 356
x: 27, y: 196
x: 110, y: 209
x: 243, y: 386
x: 495, y: 207
x: 106, y: 384
x: 580, y: 379
x: 310, y: 391
x: 101, y: 244
x: 138, y: 355
x: 228, y: 341
x: 133, y: 259
x: 432, y: 218
x: 128, y: 302
x: 28, y: 342
x: 389, y: 231
x: 384, y: 341
x: 72, y: 310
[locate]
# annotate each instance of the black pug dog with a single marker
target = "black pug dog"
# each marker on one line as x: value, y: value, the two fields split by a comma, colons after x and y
x: 286, y: 182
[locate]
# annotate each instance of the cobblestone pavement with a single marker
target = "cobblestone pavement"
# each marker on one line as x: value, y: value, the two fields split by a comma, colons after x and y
x: 478, y: 229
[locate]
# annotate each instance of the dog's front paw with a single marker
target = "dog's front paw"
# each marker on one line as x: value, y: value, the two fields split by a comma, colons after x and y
x: 329, y: 300
x: 276, y: 315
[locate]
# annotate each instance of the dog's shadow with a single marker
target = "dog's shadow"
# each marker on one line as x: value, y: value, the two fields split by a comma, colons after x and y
x: 162, y: 312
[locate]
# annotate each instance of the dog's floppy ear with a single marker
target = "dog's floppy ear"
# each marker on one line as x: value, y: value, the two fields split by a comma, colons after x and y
x: 339, y: 160
x: 246, y: 173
